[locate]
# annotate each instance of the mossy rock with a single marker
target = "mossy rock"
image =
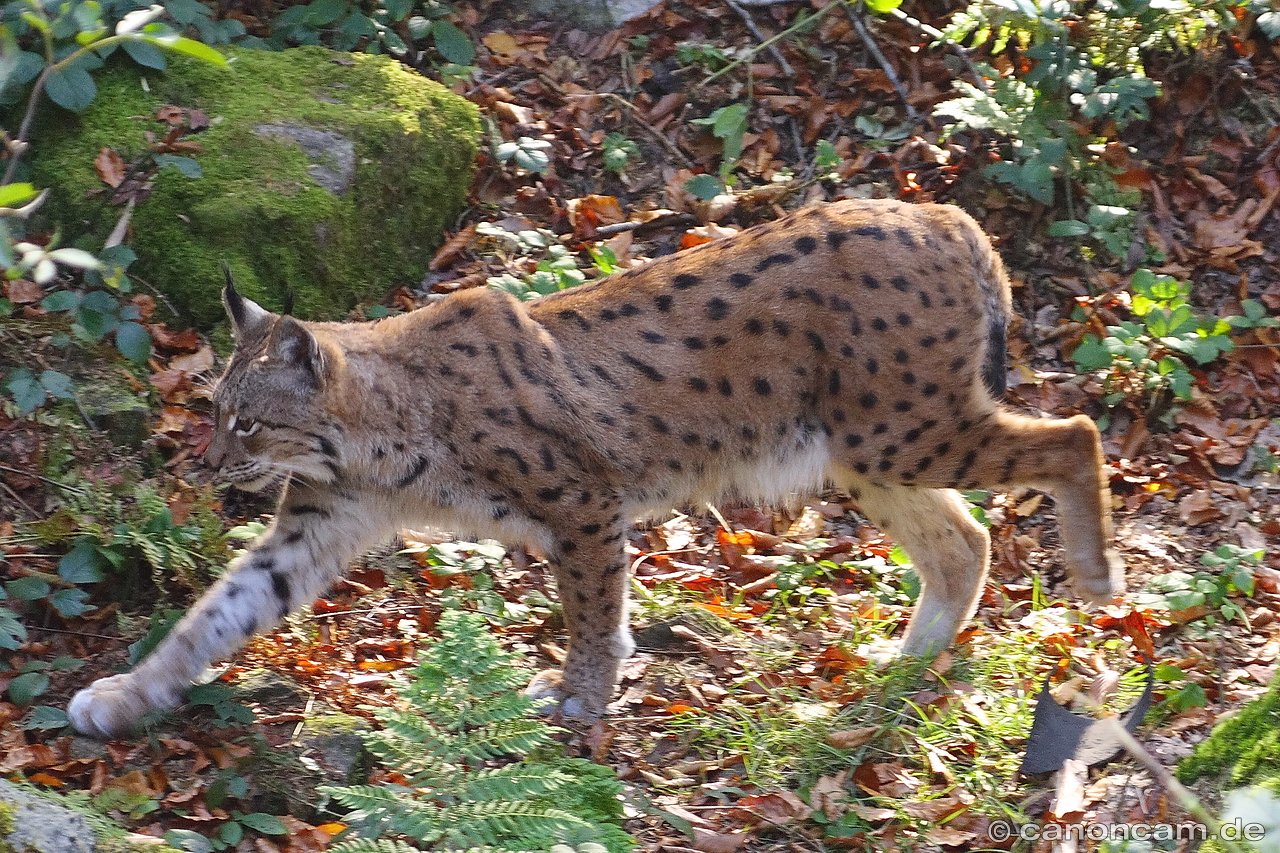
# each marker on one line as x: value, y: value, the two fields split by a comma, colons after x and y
x: 328, y: 176
x: 1244, y: 750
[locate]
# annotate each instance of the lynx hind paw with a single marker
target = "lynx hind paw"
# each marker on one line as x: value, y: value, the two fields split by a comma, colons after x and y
x: 1101, y: 587
x: 111, y: 707
x: 550, y: 684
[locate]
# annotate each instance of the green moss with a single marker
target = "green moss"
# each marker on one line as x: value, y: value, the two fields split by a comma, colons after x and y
x: 6, y: 826
x: 1243, y: 750
x: 256, y: 205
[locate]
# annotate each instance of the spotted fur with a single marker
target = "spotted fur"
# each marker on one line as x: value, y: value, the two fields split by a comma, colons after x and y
x: 859, y: 344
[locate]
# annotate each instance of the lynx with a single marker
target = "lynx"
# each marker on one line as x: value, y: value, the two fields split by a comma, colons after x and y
x: 858, y: 344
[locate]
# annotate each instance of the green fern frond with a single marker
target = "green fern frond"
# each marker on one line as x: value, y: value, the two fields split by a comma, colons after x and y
x: 491, y: 822
x: 465, y: 714
x: 515, y: 781
x: 369, y: 845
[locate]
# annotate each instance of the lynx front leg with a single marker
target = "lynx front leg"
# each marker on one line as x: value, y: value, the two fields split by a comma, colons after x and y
x: 313, y: 538
x: 591, y: 576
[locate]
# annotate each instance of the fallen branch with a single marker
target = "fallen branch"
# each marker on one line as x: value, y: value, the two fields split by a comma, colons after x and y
x: 858, y: 24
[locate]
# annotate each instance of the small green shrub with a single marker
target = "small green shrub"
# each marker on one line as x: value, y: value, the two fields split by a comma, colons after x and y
x: 1150, y: 358
x: 477, y: 766
x: 1229, y: 574
x: 1086, y: 74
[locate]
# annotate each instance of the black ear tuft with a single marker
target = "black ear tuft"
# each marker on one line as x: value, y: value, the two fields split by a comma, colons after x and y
x: 246, y: 315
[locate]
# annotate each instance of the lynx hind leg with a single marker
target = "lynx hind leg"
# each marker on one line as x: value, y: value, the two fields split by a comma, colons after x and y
x: 1064, y: 458
x: 950, y: 552
x: 591, y: 579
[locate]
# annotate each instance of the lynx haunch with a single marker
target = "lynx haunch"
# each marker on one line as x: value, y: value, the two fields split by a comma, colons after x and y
x: 859, y: 344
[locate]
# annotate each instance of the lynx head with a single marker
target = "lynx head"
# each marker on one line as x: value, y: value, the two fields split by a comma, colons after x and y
x: 269, y: 421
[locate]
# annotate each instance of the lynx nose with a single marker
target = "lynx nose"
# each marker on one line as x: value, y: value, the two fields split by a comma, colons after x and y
x: 216, y: 453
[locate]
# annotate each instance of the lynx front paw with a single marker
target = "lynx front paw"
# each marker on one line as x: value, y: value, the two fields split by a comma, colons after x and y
x: 111, y: 707
x: 550, y: 684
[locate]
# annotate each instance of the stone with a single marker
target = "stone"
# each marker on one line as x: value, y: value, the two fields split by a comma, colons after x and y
x: 326, y: 177
x: 595, y: 16
x: 37, y: 825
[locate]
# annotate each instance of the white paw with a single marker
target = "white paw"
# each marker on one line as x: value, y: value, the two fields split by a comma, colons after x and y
x: 549, y: 684
x: 113, y: 706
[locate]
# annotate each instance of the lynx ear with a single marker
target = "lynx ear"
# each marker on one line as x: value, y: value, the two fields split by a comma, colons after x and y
x: 292, y: 344
x: 246, y: 315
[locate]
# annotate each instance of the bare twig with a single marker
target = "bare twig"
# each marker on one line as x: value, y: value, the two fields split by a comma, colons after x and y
x: 666, y: 143
x: 937, y: 35
x: 19, y: 499
x: 855, y: 15
x: 760, y: 37
x: 769, y: 41
x: 44, y: 479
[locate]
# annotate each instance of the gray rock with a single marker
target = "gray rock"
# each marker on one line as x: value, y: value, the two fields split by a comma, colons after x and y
x: 595, y: 16
x: 332, y: 155
x: 43, y: 826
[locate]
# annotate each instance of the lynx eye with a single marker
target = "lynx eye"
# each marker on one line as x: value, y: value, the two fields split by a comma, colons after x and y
x: 247, y: 430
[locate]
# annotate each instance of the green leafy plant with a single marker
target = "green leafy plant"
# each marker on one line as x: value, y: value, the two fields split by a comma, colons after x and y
x: 403, y: 28
x: 557, y: 270
x: 228, y: 835
x: 478, y: 766
x: 1149, y: 358
x: 1229, y: 575
x: 49, y: 48
x: 619, y: 152
x: 728, y: 124
x: 526, y: 153
x: 1084, y: 77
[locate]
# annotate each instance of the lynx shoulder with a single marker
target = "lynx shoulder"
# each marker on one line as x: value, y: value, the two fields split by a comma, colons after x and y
x: 858, y: 344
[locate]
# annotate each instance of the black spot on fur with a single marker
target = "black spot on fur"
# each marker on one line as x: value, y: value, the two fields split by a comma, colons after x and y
x: 697, y: 384
x: 925, y: 300
x: 873, y: 231
x: 685, y: 280
x: 833, y: 385
x: 879, y: 324
x: 754, y: 326
x: 608, y: 314
x: 904, y: 319
x: 628, y: 310
x: 762, y: 386
x: 835, y: 239
x: 724, y: 386
x: 902, y: 406
x: 781, y: 258
x: 929, y: 389
x: 521, y: 465
x: 695, y: 343
x: 869, y: 281
x: 647, y: 370
x: 551, y: 495
x: 900, y: 284
x: 852, y: 440
x: 840, y: 304
x: 873, y: 366
x: 658, y: 424
x: 589, y: 529
x: 566, y: 315
x: 414, y: 473
x: 653, y: 337
x: 663, y: 301
x: 717, y: 308
x: 741, y: 280
x: 928, y: 341
x: 782, y: 327
x: 806, y: 245
x: 868, y: 400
